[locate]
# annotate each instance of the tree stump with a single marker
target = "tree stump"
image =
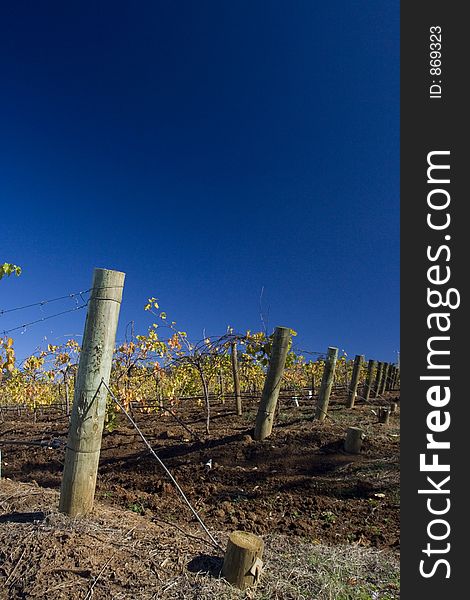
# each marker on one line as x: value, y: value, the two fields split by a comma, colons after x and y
x: 393, y: 407
x: 242, y: 562
x: 353, y: 441
x: 383, y: 415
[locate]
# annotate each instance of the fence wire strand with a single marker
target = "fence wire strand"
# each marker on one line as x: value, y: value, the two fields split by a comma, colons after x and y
x: 25, y: 325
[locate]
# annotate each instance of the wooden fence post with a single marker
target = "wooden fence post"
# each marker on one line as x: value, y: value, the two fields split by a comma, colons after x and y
x: 89, y: 406
x: 369, y: 379
x: 355, y: 380
x: 388, y: 385
x: 272, y: 384
x: 385, y: 372
x: 236, y: 379
x: 378, y: 379
x: 390, y: 378
x: 393, y: 383
x: 326, y: 384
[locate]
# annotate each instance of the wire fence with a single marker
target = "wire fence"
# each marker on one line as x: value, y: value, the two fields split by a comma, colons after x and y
x: 81, y: 300
x: 78, y: 297
x: 302, y: 398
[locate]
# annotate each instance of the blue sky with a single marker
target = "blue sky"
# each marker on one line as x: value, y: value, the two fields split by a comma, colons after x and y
x: 209, y: 150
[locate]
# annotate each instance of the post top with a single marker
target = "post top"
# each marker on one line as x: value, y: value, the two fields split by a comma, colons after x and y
x: 107, y: 284
x: 110, y: 271
x: 247, y: 540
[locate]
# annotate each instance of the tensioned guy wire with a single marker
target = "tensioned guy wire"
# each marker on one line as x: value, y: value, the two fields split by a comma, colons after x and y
x: 155, y: 455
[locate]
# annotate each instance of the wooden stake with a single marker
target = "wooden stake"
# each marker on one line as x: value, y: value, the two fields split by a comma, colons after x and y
x: 393, y: 382
x: 272, y: 384
x: 89, y: 406
x: 355, y: 380
x: 372, y: 365
x: 242, y: 562
x: 378, y: 379
x: 236, y: 379
x: 326, y: 383
x: 397, y: 379
x: 392, y: 376
x: 385, y: 371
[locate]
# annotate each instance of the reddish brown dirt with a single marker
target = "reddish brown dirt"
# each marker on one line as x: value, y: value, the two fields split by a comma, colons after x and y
x: 298, y: 481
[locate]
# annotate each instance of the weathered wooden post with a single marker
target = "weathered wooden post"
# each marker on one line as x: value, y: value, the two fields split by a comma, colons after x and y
x: 89, y: 406
x: 372, y: 364
x: 272, y: 384
x: 385, y: 377
x: 378, y: 379
x: 355, y: 380
x: 385, y: 370
x: 242, y: 562
x: 393, y: 382
x: 236, y: 379
x: 388, y: 377
x: 394, y: 379
x: 353, y: 441
x: 397, y: 380
x: 313, y: 384
x: 388, y: 374
x: 326, y: 383
x: 388, y: 385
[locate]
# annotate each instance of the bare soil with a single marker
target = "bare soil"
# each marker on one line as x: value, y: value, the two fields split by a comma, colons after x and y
x: 298, y: 485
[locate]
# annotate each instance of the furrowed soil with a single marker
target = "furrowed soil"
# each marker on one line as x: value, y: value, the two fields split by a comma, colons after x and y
x: 298, y: 489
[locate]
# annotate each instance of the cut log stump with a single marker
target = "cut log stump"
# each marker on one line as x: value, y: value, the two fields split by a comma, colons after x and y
x: 242, y: 563
x: 353, y: 441
x: 383, y: 415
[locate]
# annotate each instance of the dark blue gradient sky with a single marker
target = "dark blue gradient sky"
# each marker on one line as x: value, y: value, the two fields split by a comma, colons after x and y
x: 207, y: 149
